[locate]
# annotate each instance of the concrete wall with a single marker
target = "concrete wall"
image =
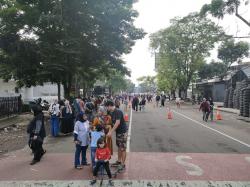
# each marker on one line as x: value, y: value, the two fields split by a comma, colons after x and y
x: 48, y: 91
x: 7, y: 88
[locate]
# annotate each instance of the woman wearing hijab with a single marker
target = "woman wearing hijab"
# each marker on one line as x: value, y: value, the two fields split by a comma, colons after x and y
x: 36, y: 131
x: 81, y: 139
x: 105, y: 121
x: 67, y: 124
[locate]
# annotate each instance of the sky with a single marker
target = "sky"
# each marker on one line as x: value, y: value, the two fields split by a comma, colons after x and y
x: 156, y: 14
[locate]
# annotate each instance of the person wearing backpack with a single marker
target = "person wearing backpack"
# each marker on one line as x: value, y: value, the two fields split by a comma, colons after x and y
x: 37, y: 133
x: 157, y: 99
x: 205, y: 108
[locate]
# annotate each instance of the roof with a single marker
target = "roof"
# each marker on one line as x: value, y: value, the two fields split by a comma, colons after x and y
x: 246, y: 71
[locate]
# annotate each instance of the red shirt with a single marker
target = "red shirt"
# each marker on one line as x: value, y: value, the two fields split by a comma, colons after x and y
x: 102, y: 154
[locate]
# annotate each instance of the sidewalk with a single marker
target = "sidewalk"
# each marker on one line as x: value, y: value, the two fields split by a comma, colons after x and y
x: 218, y: 106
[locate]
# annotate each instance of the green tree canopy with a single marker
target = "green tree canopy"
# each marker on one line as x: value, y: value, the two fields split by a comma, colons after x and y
x: 147, y: 83
x: 230, y: 52
x: 218, y: 8
x: 65, y: 38
x: 118, y: 83
x: 208, y: 71
x: 183, y: 46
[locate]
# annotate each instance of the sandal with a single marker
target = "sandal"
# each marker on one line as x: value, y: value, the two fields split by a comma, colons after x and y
x: 116, y: 163
x: 110, y: 183
x: 93, y: 182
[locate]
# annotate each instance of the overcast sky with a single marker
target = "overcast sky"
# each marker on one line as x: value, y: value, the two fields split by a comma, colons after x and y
x: 155, y: 15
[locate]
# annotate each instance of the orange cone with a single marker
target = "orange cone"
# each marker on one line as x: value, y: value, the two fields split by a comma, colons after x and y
x: 218, y: 115
x: 126, y: 117
x: 170, y: 114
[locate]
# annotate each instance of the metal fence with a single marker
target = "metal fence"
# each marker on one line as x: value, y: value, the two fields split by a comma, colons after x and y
x: 10, y: 106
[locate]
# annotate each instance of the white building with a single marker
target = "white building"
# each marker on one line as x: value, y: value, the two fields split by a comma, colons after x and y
x: 47, y: 92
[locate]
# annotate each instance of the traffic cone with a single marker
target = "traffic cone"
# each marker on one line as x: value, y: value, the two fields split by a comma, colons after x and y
x: 218, y: 115
x: 170, y: 114
x: 126, y: 117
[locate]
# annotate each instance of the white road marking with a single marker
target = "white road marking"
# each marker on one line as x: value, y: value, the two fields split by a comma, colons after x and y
x: 33, y: 169
x: 247, y: 159
x: 191, y: 169
x: 129, y: 132
x: 230, y: 137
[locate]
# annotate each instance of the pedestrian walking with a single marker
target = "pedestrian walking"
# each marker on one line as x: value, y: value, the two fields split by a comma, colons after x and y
x: 125, y: 102
x: 54, y: 111
x: 178, y: 102
x: 205, y: 108
x: 136, y: 103
x: 163, y: 99
x: 81, y: 139
x: 37, y: 133
x: 120, y: 127
x: 157, y: 99
x: 142, y: 104
x: 211, y: 105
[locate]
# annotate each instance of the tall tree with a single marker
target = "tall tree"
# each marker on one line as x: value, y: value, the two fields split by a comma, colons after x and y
x: 185, y: 44
x: 147, y: 83
x: 67, y: 38
x: 208, y: 71
x: 117, y: 82
x: 230, y: 52
x: 218, y: 8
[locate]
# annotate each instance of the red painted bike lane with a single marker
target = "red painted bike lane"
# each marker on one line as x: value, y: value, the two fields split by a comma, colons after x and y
x: 140, y: 166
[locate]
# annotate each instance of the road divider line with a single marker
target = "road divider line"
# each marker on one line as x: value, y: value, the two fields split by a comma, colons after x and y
x: 129, y: 131
x: 230, y: 137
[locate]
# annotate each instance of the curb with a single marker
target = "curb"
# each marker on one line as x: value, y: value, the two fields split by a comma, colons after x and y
x: 127, y: 183
x: 227, y: 111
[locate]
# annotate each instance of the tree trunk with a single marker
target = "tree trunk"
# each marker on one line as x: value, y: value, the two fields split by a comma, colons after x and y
x: 67, y: 88
x: 59, y: 91
x: 66, y: 92
x: 179, y: 92
x: 185, y: 93
x: 173, y: 94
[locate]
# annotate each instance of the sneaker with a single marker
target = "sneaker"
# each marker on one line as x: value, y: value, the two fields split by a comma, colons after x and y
x: 110, y: 183
x: 78, y: 167
x: 93, y: 182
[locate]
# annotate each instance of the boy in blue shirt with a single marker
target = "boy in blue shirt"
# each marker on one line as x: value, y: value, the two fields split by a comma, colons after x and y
x: 95, y: 135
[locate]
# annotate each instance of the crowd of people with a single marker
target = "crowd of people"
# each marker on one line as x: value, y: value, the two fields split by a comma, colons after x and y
x: 92, y: 121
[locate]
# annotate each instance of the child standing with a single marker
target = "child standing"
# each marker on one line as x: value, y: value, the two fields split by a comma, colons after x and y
x: 81, y: 139
x: 102, y: 158
x: 95, y: 135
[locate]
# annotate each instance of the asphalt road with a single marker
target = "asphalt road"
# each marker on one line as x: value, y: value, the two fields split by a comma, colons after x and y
x: 151, y: 131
